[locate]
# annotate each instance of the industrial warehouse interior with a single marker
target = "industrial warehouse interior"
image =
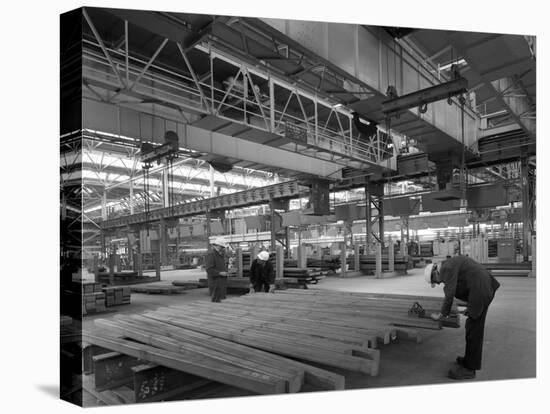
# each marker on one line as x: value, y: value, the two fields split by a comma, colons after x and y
x: 192, y: 143
x: 251, y: 207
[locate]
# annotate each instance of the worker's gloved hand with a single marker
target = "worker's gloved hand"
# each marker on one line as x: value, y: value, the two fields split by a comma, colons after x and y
x: 223, y: 274
x: 251, y: 289
x: 271, y: 288
x: 436, y: 316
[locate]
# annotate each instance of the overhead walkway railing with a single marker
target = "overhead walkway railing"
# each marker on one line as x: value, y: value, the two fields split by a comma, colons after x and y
x: 245, y: 198
x: 304, y: 122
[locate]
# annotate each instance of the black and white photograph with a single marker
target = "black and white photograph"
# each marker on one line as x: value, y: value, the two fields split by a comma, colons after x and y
x: 279, y: 208
x: 257, y: 206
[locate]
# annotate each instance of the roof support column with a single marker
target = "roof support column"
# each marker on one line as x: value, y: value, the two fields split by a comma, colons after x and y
x: 131, y: 197
x: 374, y: 196
x: 104, y: 205
x: 165, y: 188
x: 525, y: 207
x: 212, y: 187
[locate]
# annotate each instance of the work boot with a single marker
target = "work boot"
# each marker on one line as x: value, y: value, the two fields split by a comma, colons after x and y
x: 461, y: 373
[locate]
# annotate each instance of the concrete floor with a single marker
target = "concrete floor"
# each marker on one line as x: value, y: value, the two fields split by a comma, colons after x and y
x: 510, y: 333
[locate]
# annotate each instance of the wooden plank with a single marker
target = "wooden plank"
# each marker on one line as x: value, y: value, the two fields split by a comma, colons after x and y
x: 356, y: 319
x: 359, y: 336
x: 224, y: 373
x: 323, y: 357
x: 297, y: 341
x: 381, y: 330
x: 312, y: 375
x: 281, y: 332
x: 309, y: 327
x: 293, y: 383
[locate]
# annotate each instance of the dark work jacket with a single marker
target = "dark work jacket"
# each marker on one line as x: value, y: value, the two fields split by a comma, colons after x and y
x: 261, y: 273
x: 467, y: 280
x: 214, y: 263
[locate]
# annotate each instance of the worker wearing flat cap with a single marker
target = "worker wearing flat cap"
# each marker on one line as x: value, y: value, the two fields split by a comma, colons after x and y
x: 216, y: 269
x: 467, y: 280
x: 262, y: 274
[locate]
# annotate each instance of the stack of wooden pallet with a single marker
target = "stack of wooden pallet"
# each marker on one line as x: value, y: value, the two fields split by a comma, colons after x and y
x: 93, y: 303
x: 117, y: 295
x: 93, y: 299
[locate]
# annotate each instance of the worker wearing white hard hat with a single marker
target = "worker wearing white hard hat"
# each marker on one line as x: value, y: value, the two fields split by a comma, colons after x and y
x: 219, y: 241
x: 469, y: 281
x: 431, y: 274
x: 262, y: 274
x: 216, y: 269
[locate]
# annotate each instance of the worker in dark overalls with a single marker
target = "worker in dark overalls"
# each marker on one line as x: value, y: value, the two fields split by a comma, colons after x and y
x: 262, y: 274
x: 467, y: 280
x: 216, y: 269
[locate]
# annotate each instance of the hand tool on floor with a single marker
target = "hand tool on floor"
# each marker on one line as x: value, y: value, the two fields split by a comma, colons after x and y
x: 448, y: 322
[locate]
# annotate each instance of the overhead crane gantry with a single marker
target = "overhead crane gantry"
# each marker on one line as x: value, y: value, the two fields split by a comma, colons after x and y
x: 235, y: 97
x: 262, y: 195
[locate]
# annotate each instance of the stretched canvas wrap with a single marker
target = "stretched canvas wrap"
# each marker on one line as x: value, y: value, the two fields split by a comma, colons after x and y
x: 353, y: 154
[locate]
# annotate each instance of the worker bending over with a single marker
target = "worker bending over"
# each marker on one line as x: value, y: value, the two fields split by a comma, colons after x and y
x: 216, y: 269
x: 469, y: 281
x: 262, y: 274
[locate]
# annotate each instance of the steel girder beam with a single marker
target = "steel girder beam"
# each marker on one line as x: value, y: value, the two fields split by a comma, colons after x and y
x: 124, y: 121
x: 418, y: 99
x: 254, y: 196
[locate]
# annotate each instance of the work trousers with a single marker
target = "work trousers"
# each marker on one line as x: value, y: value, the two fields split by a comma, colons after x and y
x: 474, y: 341
x: 219, y: 288
x: 261, y: 287
x: 475, y: 328
x: 210, y: 284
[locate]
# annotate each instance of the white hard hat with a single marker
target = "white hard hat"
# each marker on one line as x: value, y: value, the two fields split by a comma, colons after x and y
x: 263, y: 255
x: 219, y: 242
x: 428, y: 274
